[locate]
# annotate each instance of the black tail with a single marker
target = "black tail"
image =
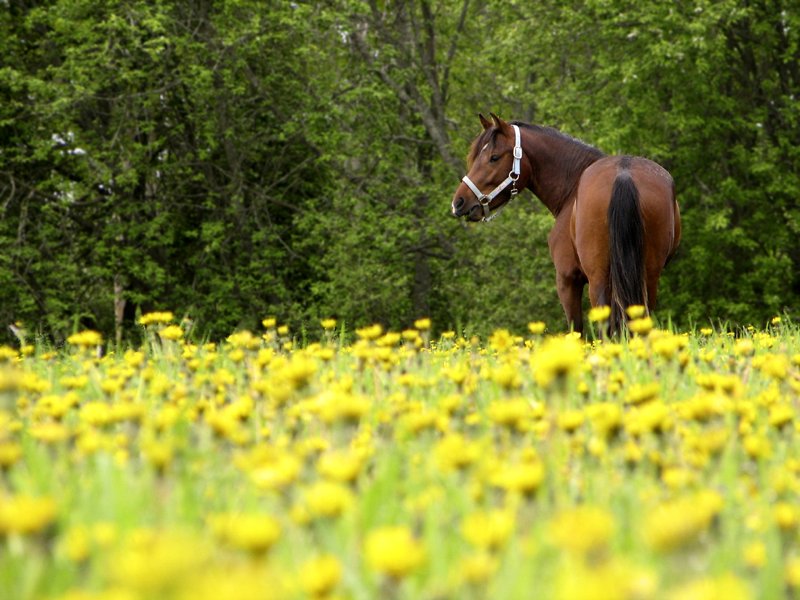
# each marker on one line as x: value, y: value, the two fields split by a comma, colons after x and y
x: 627, y: 281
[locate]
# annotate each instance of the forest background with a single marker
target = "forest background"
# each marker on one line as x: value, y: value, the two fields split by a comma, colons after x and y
x: 236, y: 159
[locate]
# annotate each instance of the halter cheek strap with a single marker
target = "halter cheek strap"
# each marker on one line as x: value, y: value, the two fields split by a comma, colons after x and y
x: 486, y: 199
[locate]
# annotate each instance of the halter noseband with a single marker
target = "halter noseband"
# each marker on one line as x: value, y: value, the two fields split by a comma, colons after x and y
x: 511, y: 180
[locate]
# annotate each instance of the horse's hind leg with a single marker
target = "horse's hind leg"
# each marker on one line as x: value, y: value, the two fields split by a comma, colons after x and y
x: 652, y: 289
x: 599, y: 295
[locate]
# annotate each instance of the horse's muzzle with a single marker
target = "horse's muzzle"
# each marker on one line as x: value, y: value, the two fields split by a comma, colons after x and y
x: 458, y: 207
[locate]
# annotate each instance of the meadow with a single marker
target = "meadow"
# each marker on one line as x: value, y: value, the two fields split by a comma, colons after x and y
x: 658, y: 465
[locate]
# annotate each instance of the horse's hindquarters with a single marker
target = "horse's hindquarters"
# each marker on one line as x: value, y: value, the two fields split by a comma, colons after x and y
x: 659, y: 222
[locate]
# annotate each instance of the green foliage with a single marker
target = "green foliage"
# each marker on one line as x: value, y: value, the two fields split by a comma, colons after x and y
x: 237, y: 159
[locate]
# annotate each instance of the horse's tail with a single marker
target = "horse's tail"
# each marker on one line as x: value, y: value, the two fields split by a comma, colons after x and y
x: 627, y: 281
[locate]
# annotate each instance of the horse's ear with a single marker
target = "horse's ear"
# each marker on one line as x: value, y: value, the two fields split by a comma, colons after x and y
x: 486, y: 123
x: 501, y: 124
x: 498, y: 121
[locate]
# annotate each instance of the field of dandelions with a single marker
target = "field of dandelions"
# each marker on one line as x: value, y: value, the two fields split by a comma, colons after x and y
x: 656, y: 465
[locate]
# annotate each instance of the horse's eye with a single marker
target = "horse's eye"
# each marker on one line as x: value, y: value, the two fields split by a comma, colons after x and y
x: 494, y: 158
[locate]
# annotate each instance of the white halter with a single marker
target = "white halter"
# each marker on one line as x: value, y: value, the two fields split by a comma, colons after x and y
x: 511, y: 180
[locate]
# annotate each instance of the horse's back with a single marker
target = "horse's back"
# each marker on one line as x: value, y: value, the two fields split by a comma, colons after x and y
x: 659, y: 212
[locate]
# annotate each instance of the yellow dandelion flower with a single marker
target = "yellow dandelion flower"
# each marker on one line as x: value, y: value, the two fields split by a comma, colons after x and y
x: 651, y: 417
x: 10, y: 453
x: 454, y: 452
x: 171, y: 332
x: 608, y: 580
x: 641, y: 326
x: 507, y: 376
x: 636, y: 311
x: 599, y: 314
x: 780, y: 415
x: 478, y: 568
x: 319, y: 576
x: 728, y: 587
x: 667, y: 346
x: 226, y: 580
x: 158, y: 317
x: 556, y: 359
x: 152, y: 562
x: 582, y: 529
x: 744, y: 347
x: 488, y: 530
x: 458, y: 373
x: 389, y: 339
x: 76, y: 544
x: 86, y: 339
x: 786, y: 516
x: 704, y: 407
x: 8, y: 354
x: 757, y: 446
x: 339, y: 406
x: 792, y: 572
x: 328, y: 499
x: 422, y: 324
x: 393, y: 551
x: 49, y: 432
x: 96, y: 413
x: 501, y: 340
x: 255, y: 533
x: 411, y: 335
x: 343, y: 466
x: 159, y: 453
x: 775, y: 366
x: 605, y: 417
x: 676, y: 478
x: 372, y: 332
x: 273, y: 470
x: 677, y: 523
x: 524, y: 478
x: 755, y: 555
x: 537, y: 327
x: 633, y: 453
x: 26, y: 515
x: 570, y: 420
x: 244, y: 340
x: 509, y: 413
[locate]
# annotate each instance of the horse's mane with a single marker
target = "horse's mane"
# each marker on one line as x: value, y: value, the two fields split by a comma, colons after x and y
x: 579, y: 145
x: 579, y: 150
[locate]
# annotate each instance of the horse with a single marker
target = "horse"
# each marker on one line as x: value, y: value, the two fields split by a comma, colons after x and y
x: 617, y: 221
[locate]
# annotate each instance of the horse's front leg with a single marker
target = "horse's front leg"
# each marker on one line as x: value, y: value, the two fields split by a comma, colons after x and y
x: 570, y: 291
x: 570, y: 279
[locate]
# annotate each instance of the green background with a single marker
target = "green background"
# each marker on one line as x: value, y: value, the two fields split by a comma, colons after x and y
x: 233, y: 160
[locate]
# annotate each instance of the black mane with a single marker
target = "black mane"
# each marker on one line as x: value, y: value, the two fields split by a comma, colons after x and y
x: 580, y: 146
x: 569, y: 158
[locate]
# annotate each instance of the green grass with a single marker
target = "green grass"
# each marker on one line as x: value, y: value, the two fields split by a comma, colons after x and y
x: 238, y: 429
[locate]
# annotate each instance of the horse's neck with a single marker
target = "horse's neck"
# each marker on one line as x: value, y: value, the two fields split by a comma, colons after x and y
x: 557, y: 163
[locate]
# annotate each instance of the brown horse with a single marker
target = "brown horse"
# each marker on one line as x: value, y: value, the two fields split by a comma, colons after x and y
x: 617, y: 222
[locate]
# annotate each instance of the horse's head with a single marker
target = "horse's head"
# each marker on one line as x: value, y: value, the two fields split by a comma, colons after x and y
x: 494, y: 166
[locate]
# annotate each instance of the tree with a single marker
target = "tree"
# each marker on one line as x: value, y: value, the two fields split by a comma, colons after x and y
x: 230, y: 160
